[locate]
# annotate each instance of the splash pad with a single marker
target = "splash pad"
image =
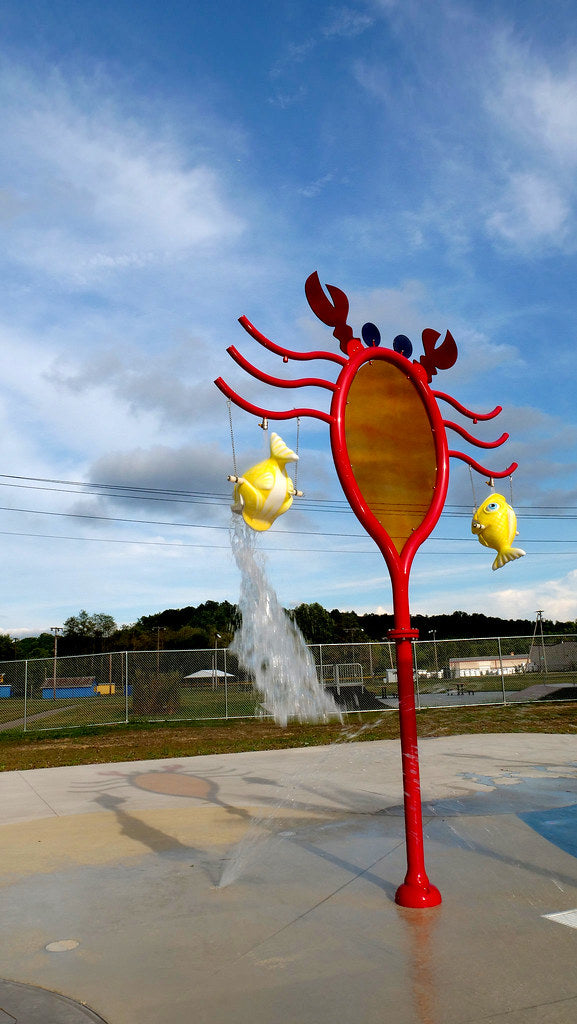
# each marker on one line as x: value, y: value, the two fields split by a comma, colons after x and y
x: 390, y: 449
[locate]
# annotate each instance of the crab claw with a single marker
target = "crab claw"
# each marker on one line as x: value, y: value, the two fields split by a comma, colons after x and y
x: 333, y: 314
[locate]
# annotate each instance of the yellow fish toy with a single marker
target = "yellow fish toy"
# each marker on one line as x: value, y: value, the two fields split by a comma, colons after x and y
x: 495, y: 524
x: 266, y: 490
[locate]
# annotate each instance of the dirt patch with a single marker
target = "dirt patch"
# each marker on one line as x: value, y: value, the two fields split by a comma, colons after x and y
x: 135, y: 743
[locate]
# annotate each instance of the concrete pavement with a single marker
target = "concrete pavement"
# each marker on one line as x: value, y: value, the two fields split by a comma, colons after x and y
x: 114, y: 907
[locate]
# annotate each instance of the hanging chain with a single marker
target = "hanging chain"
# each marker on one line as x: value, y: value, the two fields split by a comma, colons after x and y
x: 511, y: 487
x: 473, y: 489
x: 232, y: 437
x: 297, y: 452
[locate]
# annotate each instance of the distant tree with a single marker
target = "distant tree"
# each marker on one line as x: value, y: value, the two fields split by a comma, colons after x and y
x: 347, y: 626
x: 315, y: 623
x: 213, y: 623
x: 35, y: 646
x: 83, y: 624
x: 375, y: 625
x: 84, y: 633
x: 103, y: 623
x: 185, y: 637
x: 6, y: 647
x: 208, y: 619
x: 78, y: 625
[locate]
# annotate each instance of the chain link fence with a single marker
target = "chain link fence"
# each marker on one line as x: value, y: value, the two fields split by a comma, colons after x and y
x: 189, y: 685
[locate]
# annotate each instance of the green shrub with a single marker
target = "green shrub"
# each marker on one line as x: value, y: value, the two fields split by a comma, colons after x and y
x: 155, y: 693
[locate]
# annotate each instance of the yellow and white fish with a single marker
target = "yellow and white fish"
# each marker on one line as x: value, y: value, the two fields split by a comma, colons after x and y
x: 495, y: 524
x: 266, y: 490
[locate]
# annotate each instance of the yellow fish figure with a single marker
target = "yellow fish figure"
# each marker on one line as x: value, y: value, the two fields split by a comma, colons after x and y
x: 266, y: 490
x: 495, y: 524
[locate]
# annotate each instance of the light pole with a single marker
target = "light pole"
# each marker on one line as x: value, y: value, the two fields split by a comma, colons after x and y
x: 217, y: 637
x: 159, y: 630
x: 56, y: 630
x: 433, y: 632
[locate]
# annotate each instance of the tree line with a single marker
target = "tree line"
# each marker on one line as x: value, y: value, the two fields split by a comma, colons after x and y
x: 213, y: 624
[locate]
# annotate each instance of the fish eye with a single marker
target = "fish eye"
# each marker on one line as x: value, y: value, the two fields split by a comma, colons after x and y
x: 491, y: 507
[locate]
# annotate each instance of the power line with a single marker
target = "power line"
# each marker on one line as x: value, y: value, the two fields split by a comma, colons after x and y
x: 117, y: 487
x: 196, y: 500
x: 226, y: 547
x: 196, y: 526
x: 144, y: 493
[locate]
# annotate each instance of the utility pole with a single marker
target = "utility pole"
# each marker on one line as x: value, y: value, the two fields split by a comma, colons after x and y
x: 539, y: 626
x: 56, y: 630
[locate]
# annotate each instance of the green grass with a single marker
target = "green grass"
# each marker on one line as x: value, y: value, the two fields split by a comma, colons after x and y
x: 71, y: 711
x: 132, y: 742
x: 204, y: 703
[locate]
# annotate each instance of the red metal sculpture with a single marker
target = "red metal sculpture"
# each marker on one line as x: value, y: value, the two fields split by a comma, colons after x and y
x: 390, y: 450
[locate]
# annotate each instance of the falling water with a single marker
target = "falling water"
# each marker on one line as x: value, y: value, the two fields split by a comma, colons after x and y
x: 270, y: 646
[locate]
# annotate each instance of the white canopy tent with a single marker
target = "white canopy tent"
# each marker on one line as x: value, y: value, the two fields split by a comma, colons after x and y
x: 215, y: 675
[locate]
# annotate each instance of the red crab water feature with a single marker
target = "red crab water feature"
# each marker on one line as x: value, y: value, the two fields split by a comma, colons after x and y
x: 390, y: 450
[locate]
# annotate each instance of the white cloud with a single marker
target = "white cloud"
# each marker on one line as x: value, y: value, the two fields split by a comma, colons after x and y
x: 533, y: 209
x: 315, y: 188
x: 193, y: 467
x: 92, y: 190
x: 533, y: 105
x: 535, y: 101
x: 347, y: 22
x: 557, y: 597
x: 73, y: 422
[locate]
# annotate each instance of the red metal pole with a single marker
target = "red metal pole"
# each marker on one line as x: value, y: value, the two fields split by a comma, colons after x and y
x: 416, y: 890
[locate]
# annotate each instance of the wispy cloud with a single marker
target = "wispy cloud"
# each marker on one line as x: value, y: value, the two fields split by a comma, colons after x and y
x: 558, y: 595
x: 347, y: 22
x: 535, y: 99
x: 421, y: 157
x: 532, y: 210
x: 315, y: 188
x: 90, y: 189
x: 533, y: 103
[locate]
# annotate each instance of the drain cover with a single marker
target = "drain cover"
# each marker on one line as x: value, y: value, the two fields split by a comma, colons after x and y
x: 27, y: 1004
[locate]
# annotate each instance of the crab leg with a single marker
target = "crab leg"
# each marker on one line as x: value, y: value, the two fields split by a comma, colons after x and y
x: 287, y: 353
x: 473, y: 440
x: 481, y: 469
x: 278, y: 382
x: 467, y: 412
x: 271, y: 414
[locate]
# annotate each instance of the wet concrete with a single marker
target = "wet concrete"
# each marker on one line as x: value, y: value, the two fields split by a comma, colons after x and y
x: 28, y: 1004
x: 121, y: 867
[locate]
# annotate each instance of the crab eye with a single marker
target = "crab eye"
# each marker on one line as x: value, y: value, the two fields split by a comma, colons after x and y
x: 371, y: 335
x: 491, y: 507
x: 403, y: 345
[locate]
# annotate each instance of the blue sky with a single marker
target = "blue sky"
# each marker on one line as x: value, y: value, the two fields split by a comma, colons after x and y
x: 168, y: 167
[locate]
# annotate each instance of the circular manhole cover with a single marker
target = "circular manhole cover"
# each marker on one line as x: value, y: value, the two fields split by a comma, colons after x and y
x: 28, y: 1004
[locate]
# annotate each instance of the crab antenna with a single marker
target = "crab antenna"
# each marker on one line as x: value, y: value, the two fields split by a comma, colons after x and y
x: 467, y: 412
x: 287, y: 353
x: 302, y: 382
x: 474, y: 440
x: 271, y: 414
x: 481, y: 469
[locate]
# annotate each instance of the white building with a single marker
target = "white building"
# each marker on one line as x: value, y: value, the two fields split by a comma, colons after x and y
x: 484, y: 665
